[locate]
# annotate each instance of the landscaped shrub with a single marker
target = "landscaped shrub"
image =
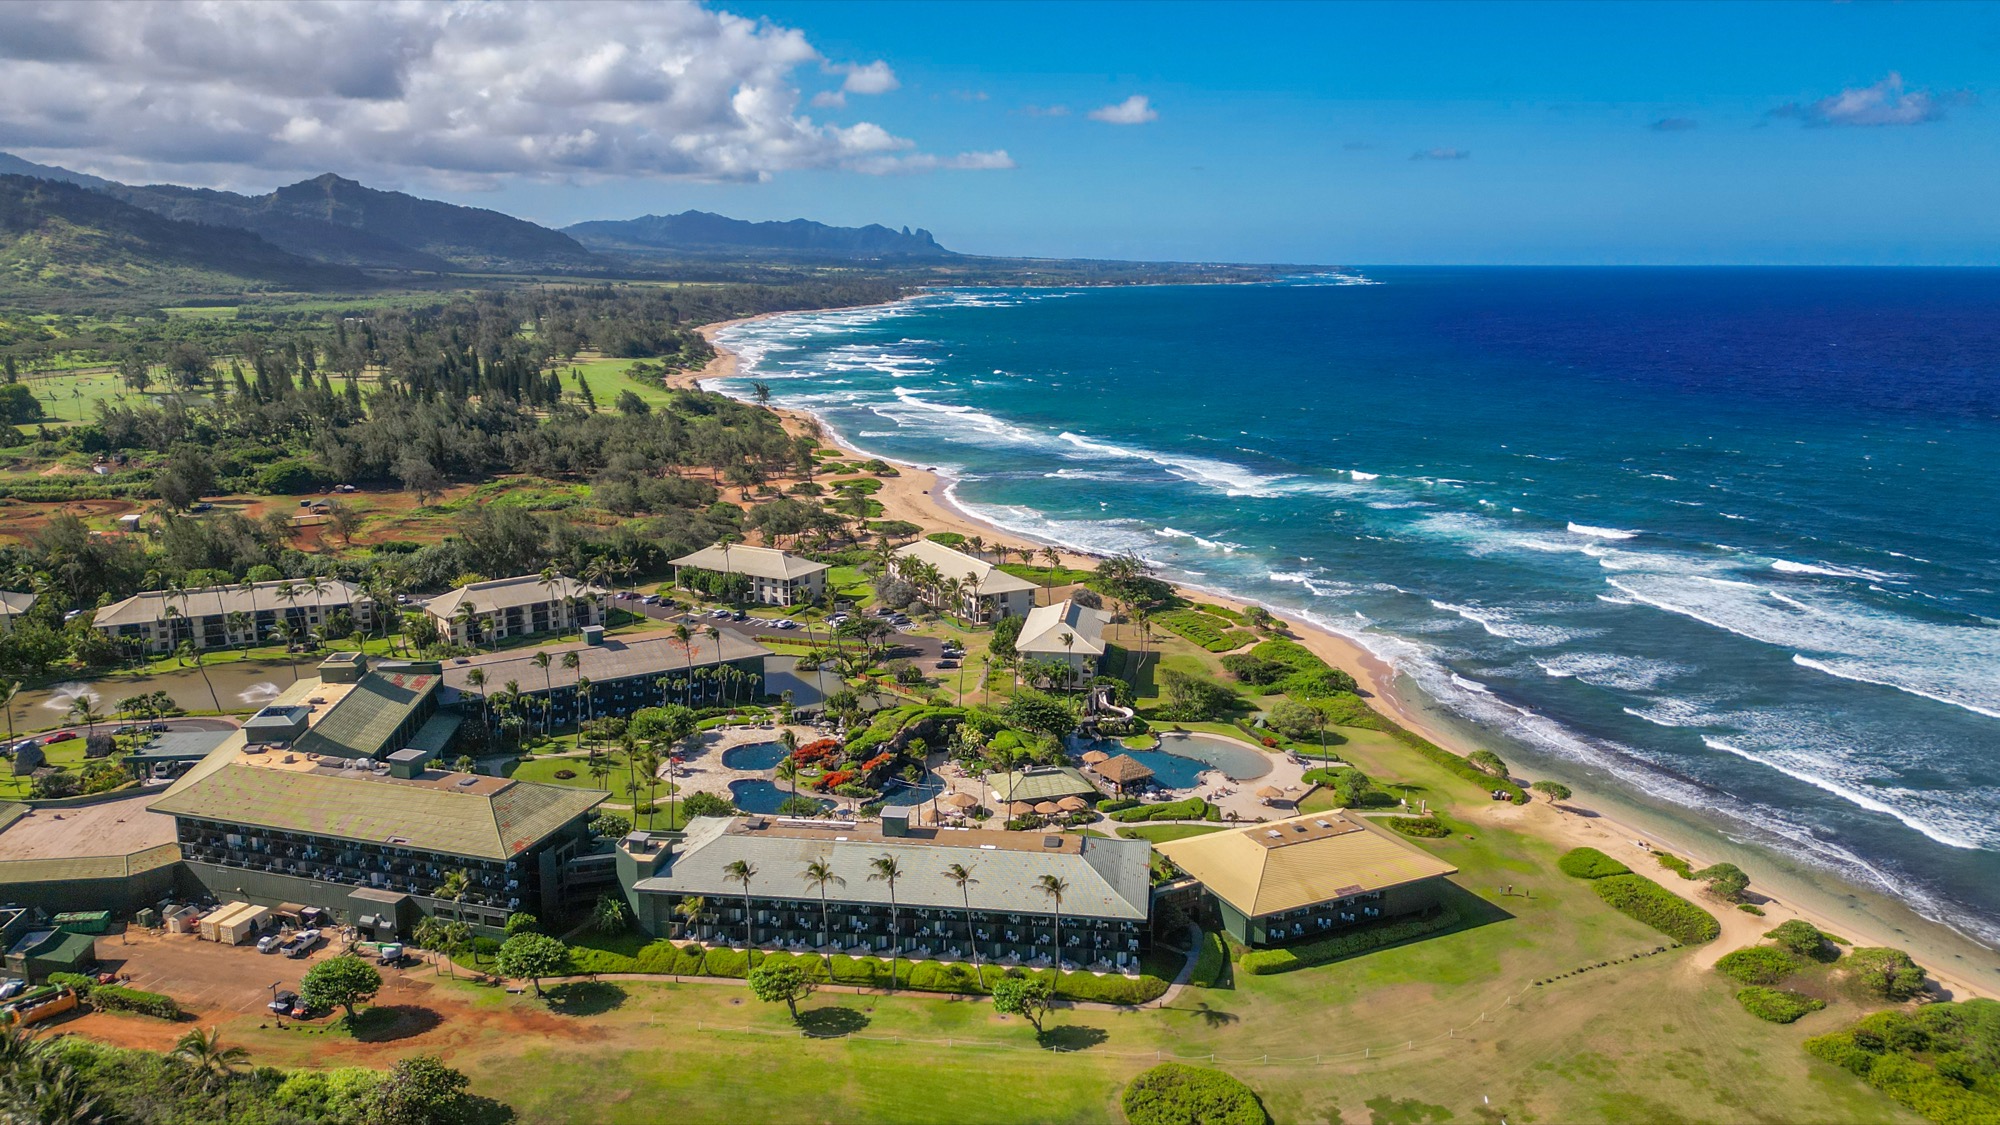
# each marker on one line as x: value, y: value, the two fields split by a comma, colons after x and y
x: 1177, y: 1094
x: 1428, y: 827
x: 1109, y: 989
x: 1589, y: 863
x: 1264, y: 962
x: 1777, y: 1005
x: 1193, y: 808
x: 1675, y: 864
x: 1116, y: 804
x: 116, y: 998
x: 1888, y: 973
x: 1940, y: 1062
x: 725, y: 963
x: 1656, y: 906
x: 1758, y: 964
x: 1804, y: 939
x: 1212, y: 962
x: 1199, y: 628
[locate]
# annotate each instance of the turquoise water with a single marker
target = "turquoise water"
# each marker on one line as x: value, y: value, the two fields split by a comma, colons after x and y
x: 764, y: 796
x: 1724, y: 539
x: 1179, y: 762
x: 754, y: 756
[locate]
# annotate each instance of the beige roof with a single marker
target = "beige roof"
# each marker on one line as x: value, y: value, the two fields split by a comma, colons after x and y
x: 508, y: 593
x: 984, y: 577
x: 1301, y: 860
x: 756, y: 562
x: 618, y: 658
x: 1043, y: 631
x: 1124, y: 770
x: 489, y: 818
x: 211, y: 601
x: 13, y: 605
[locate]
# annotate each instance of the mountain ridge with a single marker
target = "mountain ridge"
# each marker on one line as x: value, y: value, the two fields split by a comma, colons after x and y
x: 704, y: 232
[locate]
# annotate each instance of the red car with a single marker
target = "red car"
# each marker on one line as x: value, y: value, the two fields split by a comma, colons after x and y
x: 59, y: 736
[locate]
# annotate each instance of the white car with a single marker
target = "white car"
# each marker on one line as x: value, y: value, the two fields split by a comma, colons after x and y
x: 784, y: 623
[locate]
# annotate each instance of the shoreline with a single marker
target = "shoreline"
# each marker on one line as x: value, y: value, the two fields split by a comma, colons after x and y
x: 922, y: 497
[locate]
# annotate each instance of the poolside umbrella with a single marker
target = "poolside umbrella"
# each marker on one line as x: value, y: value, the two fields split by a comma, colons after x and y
x: 1270, y: 792
x: 962, y: 801
x: 1094, y: 757
x: 1072, y: 804
x: 1047, y: 808
x: 1020, y: 808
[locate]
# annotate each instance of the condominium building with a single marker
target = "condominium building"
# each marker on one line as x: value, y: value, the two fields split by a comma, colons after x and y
x: 624, y: 674
x: 985, y: 593
x: 1065, y: 633
x: 774, y: 577
x: 1002, y: 910
x: 220, y: 616
x: 486, y: 612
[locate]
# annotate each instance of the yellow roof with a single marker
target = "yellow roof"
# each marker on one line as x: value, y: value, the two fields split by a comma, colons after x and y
x: 1286, y: 864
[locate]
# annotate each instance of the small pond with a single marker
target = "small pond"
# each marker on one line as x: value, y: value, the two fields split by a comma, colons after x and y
x: 754, y: 756
x: 765, y: 797
x: 1180, y: 760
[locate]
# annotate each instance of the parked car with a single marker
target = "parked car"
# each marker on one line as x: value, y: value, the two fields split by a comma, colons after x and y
x: 284, y: 1002
x: 59, y: 736
x: 784, y: 623
x: 269, y: 942
x: 11, y: 987
x: 304, y: 943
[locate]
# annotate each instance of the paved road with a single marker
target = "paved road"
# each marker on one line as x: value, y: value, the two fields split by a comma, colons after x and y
x: 924, y: 650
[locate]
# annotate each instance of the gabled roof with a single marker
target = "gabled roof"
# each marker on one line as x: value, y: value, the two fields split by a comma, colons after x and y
x: 1124, y: 770
x: 1107, y: 878
x: 1041, y: 783
x: 1299, y: 861
x: 490, y: 818
x: 618, y: 658
x: 213, y: 601
x: 361, y: 723
x: 984, y: 577
x: 508, y: 593
x: 14, y: 604
x: 1043, y: 630
x: 756, y: 562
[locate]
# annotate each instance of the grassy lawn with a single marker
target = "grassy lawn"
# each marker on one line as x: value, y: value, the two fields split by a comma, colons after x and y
x: 1161, y: 833
x: 607, y: 378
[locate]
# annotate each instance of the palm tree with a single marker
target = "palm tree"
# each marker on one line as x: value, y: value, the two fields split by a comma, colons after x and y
x: 819, y: 873
x: 741, y: 871
x: 1054, y: 889
x: 690, y: 909
x: 1054, y: 559
x: 192, y: 655
x: 1068, y: 640
x: 289, y: 594
x: 683, y: 635
x: 241, y: 622
x: 476, y: 680
x: 541, y: 660
x: 887, y: 870
x: 548, y: 580
x: 788, y: 772
x: 649, y: 761
x: 570, y: 663
x: 961, y: 876
x: 83, y: 709
x: 954, y: 596
x: 467, y: 616
x: 583, y: 690
x: 8, y: 696
x: 213, y: 1064
x: 249, y: 589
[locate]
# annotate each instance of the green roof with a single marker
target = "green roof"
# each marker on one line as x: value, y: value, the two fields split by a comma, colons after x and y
x: 436, y: 733
x: 361, y: 724
x: 456, y: 814
x: 1041, y: 783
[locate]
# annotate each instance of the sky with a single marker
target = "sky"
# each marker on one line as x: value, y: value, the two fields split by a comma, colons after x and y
x: 1352, y: 133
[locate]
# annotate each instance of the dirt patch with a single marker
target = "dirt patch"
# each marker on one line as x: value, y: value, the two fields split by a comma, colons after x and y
x: 21, y: 519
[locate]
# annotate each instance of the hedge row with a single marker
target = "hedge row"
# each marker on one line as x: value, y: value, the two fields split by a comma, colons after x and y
x: 692, y: 960
x: 1198, y: 628
x: 1193, y: 808
x: 1212, y: 962
x: 1589, y: 863
x: 1178, y: 1094
x: 117, y: 998
x: 1656, y: 906
x: 1265, y: 962
x: 1777, y: 1005
x: 1915, y: 1085
x: 1428, y: 827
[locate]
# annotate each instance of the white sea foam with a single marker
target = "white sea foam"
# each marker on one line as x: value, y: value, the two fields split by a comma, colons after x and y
x: 1828, y: 570
x: 1839, y: 637
x: 1812, y: 774
x: 1232, y: 480
x: 1357, y: 474
x: 1505, y: 624
x: 1611, y: 670
x: 1601, y: 532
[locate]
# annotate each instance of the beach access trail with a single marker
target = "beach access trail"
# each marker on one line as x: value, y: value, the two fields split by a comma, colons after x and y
x: 916, y: 496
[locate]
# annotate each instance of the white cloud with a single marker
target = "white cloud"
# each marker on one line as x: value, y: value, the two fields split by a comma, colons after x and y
x: 1135, y: 110
x: 1441, y: 154
x: 1046, y: 110
x: 1884, y: 103
x: 872, y: 78
x: 830, y: 99
x: 461, y: 91
x: 996, y: 160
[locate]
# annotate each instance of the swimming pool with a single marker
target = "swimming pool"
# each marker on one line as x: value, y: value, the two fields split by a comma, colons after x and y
x: 765, y: 796
x: 1180, y: 760
x: 899, y: 792
x: 754, y: 756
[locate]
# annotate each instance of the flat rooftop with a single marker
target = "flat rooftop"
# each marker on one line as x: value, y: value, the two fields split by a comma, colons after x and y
x: 114, y: 828
x: 1041, y: 843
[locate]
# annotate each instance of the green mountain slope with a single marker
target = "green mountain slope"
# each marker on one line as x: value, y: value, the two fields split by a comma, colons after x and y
x: 702, y: 233
x: 61, y: 239
x: 339, y: 220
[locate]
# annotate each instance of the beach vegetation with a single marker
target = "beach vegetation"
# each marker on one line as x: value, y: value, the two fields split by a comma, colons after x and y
x: 1941, y: 1061
x: 1254, y: 670
x: 1777, y: 1005
x: 1804, y: 939
x: 1725, y: 881
x: 1554, y: 790
x: 1656, y: 906
x: 1191, y: 698
x: 1675, y: 864
x: 1758, y: 964
x: 1885, y: 972
x: 1178, y: 1094
x: 1203, y: 630
x: 1486, y: 761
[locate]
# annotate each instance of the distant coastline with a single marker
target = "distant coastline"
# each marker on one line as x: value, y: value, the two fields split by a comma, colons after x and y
x: 1613, y: 821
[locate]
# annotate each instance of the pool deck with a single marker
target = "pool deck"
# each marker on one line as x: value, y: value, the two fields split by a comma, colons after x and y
x: 703, y: 771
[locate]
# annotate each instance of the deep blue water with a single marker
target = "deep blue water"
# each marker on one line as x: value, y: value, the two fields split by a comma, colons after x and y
x: 1730, y: 537
x: 766, y: 796
x: 754, y: 756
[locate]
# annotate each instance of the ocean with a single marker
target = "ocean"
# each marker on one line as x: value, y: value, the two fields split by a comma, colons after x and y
x: 1727, y: 539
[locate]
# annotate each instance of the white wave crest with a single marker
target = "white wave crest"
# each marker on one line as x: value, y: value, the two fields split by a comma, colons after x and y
x: 1232, y: 480
x: 1828, y: 570
x: 1813, y: 774
x: 1601, y: 532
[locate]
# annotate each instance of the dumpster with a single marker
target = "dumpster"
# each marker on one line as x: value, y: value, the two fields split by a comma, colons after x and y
x: 84, y: 921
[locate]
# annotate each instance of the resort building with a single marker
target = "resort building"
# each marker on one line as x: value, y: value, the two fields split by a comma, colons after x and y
x: 1041, y: 783
x: 624, y: 674
x: 12, y: 606
x: 220, y: 616
x: 775, y: 577
x: 1308, y: 876
x: 1065, y: 633
x: 1001, y: 910
x: 985, y: 593
x: 487, y: 612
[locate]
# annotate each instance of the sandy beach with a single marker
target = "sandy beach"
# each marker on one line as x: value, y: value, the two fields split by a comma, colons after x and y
x: 1961, y: 967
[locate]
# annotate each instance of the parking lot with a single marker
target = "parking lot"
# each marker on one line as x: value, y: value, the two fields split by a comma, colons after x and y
x: 213, y: 979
